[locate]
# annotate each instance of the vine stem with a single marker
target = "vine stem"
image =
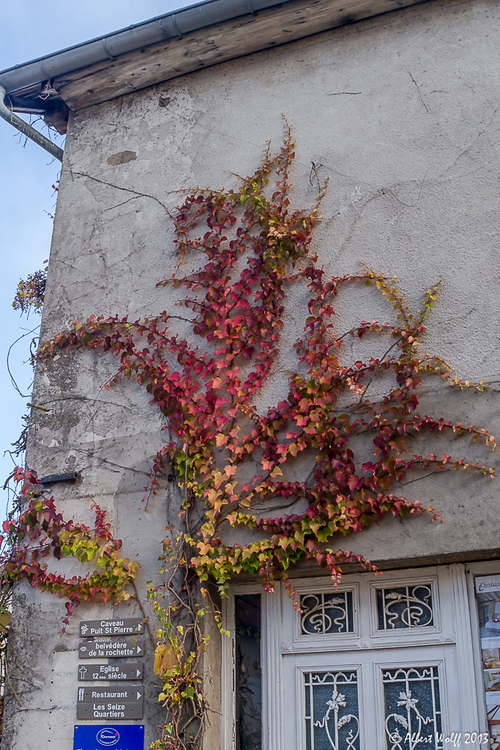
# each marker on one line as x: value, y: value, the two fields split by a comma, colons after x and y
x: 12, y: 686
x: 146, y: 619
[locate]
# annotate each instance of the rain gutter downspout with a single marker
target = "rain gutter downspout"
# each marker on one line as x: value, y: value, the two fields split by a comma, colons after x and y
x: 27, y: 130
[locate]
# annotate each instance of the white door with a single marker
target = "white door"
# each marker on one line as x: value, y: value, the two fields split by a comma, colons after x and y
x: 379, y: 664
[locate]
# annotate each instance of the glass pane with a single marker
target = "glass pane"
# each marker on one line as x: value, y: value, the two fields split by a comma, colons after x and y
x: 327, y: 613
x: 248, y: 673
x: 405, y: 607
x: 332, y: 713
x: 412, y: 708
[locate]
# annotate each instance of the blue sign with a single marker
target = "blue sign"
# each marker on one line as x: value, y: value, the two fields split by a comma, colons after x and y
x: 113, y: 736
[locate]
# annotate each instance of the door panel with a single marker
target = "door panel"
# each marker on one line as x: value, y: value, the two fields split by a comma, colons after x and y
x: 331, y: 710
x: 392, y: 703
x: 412, y: 707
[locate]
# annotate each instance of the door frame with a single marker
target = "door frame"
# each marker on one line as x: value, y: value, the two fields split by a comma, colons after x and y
x: 457, y: 627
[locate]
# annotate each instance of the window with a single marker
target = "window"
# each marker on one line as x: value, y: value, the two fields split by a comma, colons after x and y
x: 381, y: 663
x: 326, y: 612
x: 247, y: 629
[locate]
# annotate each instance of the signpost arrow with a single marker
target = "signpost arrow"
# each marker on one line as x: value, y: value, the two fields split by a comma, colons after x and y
x: 111, y: 672
x: 99, y: 628
x: 117, y: 647
x: 115, y: 693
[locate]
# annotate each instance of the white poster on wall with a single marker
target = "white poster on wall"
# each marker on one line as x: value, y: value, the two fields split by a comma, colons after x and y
x: 488, y: 603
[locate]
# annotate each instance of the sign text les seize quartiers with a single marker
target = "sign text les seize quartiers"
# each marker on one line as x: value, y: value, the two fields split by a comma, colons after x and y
x: 109, y: 710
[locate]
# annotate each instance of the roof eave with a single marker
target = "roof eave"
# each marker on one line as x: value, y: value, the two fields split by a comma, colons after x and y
x: 174, y: 44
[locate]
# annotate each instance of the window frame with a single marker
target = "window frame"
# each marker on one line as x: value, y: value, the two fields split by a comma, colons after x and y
x: 426, y: 631
x: 292, y: 627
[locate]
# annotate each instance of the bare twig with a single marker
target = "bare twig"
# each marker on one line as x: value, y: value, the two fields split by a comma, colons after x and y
x: 146, y: 618
x: 12, y: 686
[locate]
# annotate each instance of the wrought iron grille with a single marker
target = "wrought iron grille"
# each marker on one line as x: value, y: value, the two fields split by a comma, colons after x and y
x: 327, y: 613
x: 405, y: 607
x: 412, y: 708
x: 332, y: 710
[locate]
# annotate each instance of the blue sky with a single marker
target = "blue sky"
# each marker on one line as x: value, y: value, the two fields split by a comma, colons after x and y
x: 28, y: 30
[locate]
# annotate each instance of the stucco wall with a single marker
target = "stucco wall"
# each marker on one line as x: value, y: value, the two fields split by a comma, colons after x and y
x: 401, y: 114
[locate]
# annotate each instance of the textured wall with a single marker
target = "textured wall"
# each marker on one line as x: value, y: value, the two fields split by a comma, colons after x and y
x: 401, y: 114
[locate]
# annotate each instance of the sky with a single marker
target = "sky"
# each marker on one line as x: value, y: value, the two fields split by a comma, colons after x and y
x: 29, y: 30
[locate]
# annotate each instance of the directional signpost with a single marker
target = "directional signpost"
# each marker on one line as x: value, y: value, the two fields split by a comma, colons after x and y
x: 110, y: 703
x: 124, y: 694
x: 132, y: 671
x: 116, y: 647
x: 96, y: 628
x: 112, y: 710
x: 110, y: 639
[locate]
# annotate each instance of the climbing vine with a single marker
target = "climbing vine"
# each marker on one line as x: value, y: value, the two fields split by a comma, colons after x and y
x: 235, y: 465
x: 179, y: 606
x: 36, y: 531
x: 207, y: 392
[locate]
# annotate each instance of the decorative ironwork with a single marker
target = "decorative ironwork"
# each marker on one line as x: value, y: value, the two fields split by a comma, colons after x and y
x: 332, y: 712
x: 405, y: 607
x: 326, y: 613
x: 412, y: 708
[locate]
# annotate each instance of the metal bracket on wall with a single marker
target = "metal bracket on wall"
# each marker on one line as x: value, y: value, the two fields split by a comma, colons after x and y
x: 53, y: 478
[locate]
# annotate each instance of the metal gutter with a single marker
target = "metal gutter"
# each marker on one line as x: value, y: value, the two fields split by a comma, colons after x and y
x: 27, y: 130
x: 168, y: 26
